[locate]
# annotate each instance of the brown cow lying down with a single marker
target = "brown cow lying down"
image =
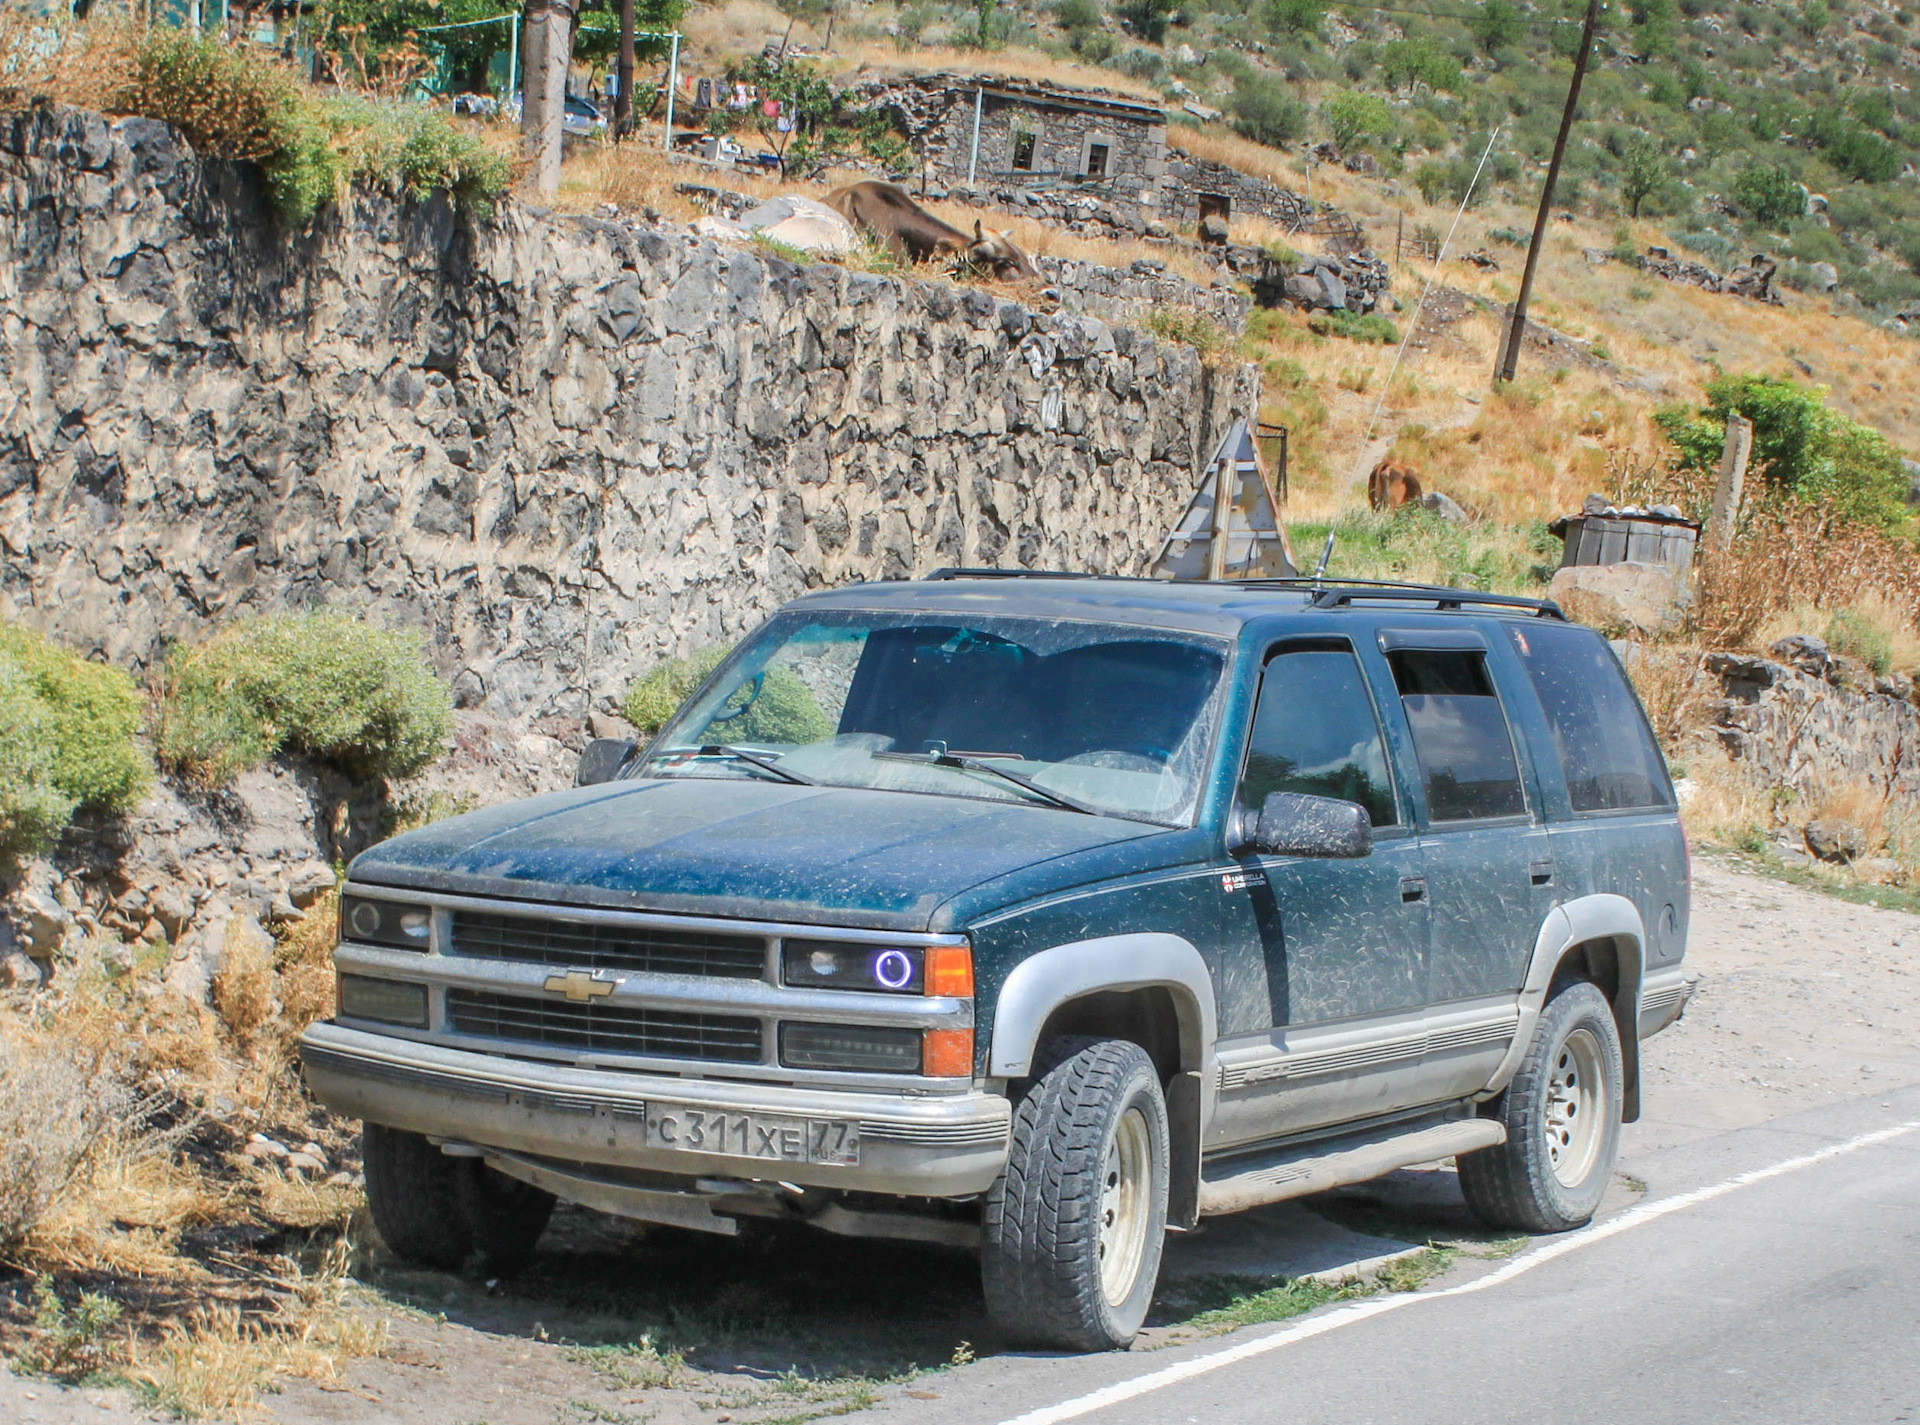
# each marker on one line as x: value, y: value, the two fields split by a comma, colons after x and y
x: 912, y: 234
x: 1392, y: 484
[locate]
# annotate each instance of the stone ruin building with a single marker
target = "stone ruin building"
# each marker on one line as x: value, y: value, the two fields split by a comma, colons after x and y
x: 989, y: 133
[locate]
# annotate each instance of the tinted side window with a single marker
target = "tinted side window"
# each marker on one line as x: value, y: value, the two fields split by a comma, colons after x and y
x: 1460, y: 732
x: 1314, y: 731
x: 1605, y: 747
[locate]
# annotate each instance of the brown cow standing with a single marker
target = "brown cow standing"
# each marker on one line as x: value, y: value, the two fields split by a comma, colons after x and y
x: 1392, y: 484
x: 912, y: 234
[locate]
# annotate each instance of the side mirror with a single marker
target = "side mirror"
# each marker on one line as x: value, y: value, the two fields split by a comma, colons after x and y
x: 1294, y: 824
x: 602, y: 760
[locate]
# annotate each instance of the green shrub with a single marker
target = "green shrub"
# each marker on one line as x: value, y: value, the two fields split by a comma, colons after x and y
x: 780, y: 711
x: 1355, y: 326
x: 1769, y: 193
x: 1858, y: 636
x: 1801, y: 447
x: 95, y: 713
x: 1265, y: 112
x: 654, y: 699
x: 323, y: 683
x: 233, y: 103
x: 33, y: 808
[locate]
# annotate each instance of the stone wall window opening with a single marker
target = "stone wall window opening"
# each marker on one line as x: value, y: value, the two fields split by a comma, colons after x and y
x: 1097, y: 151
x: 1025, y: 142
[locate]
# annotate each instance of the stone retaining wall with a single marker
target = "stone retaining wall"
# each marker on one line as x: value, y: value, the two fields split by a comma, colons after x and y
x: 564, y: 446
x: 1819, y: 727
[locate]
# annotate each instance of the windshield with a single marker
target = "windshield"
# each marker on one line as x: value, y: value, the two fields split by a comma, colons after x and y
x: 1098, y: 718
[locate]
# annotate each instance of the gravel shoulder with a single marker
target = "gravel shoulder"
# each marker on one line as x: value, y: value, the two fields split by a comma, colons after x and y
x: 1805, y: 1000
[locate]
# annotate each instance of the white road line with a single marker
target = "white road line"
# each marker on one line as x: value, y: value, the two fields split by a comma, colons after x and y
x: 1378, y: 1306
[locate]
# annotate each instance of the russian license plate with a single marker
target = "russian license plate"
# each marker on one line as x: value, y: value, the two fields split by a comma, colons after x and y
x: 774, y: 1137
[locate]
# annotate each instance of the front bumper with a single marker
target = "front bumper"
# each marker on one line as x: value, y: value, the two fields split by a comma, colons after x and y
x: 932, y: 1146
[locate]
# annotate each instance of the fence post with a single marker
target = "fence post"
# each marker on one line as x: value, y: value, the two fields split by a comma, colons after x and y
x: 1732, y: 483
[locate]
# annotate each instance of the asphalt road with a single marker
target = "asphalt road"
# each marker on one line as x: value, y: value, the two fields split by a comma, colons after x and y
x: 1791, y: 1298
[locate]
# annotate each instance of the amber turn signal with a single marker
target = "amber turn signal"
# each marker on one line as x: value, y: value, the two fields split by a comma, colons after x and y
x: 949, y: 971
x: 947, y: 1054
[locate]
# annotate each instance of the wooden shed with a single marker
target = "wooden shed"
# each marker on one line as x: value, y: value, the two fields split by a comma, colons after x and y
x: 1627, y: 536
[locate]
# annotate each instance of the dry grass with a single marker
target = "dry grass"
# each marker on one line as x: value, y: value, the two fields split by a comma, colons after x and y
x: 42, y: 54
x: 115, y: 1196
x: 60, y: 1111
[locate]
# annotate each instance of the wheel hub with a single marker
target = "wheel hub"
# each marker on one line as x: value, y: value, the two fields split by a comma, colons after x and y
x: 1125, y: 1179
x: 1572, y: 1122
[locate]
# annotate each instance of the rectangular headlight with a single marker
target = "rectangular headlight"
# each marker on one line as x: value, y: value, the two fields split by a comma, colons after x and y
x: 841, y: 965
x: 386, y: 1001
x: 394, y: 924
x: 850, y: 1046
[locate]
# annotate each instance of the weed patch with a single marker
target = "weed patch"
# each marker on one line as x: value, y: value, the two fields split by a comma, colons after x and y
x: 1189, y: 328
x: 1368, y: 327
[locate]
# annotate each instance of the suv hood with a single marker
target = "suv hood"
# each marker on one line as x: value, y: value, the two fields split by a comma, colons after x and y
x: 742, y: 849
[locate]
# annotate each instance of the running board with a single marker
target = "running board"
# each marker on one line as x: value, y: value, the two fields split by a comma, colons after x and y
x: 1295, y: 1170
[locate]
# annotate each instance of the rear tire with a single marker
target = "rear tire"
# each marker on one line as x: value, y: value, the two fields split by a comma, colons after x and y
x: 1072, y: 1230
x: 1562, y: 1115
x: 439, y: 1211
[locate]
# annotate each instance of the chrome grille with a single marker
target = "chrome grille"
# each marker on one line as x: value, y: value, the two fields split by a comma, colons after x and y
x: 595, y: 946
x: 725, y: 1037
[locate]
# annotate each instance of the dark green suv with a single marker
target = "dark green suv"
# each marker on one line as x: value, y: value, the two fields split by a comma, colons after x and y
x: 1037, y: 914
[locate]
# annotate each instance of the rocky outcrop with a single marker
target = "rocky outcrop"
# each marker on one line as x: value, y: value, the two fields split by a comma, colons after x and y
x: 1753, y: 280
x: 564, y: 447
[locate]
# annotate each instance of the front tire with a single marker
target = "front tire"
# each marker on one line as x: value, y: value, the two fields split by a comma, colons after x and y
x: 1073, y: 1228
x: 1562, y: 1115
x: 439, y: 1211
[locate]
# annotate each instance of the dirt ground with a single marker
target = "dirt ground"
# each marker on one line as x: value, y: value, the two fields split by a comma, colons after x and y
x: 1804, y: 1000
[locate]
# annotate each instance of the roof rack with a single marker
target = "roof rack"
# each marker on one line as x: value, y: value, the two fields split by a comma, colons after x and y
x: 961, y: 573
x: 1342, y: 594
x: 1325, y: 593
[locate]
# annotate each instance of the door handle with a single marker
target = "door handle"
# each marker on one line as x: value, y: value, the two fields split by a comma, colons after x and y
x: 1412, y: 889
x: 1542, y: 873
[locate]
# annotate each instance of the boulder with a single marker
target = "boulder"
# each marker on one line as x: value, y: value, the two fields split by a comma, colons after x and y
x: 805, y: 223
x: 308, y: 882
x: 1807, y: 654
x: 18, y: 972
x: 1630, y: 600
x: 1882, y: 869
x: 1443, y: 506
x: 1825, y: 276
x: 1832, y: 839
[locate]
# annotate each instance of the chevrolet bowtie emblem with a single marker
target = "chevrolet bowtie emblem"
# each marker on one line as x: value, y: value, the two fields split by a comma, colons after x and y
x: 579, y: 986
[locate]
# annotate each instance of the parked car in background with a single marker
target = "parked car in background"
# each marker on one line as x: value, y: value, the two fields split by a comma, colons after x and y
x: 1038, y: 915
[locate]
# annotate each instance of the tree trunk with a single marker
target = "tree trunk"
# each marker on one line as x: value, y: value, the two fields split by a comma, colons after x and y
x: 548, y: 51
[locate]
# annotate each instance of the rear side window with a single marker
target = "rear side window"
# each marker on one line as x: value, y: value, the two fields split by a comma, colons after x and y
x: 1605, y: 747
x: 1315, y: 732
x: 1460, y: 731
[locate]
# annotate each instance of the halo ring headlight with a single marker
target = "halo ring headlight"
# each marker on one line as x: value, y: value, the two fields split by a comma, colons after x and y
x: 892, y: 970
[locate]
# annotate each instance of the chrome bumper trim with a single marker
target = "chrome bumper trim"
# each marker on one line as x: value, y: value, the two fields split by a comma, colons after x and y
x: 933, y: 1146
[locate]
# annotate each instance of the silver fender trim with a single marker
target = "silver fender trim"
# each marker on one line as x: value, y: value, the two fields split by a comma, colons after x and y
x: 1041, y: 983
x: 1599, y: 917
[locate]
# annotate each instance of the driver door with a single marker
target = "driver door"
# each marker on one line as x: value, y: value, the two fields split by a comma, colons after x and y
x: 1344, y: 942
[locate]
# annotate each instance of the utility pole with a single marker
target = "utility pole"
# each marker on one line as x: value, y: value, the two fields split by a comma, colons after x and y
x: 1510, y: 353
x: 549, y: 53
x: 623, y: 95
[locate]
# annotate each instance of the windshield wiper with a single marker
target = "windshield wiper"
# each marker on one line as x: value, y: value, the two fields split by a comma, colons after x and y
x: 974, y: 764
x: 754, y: 759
